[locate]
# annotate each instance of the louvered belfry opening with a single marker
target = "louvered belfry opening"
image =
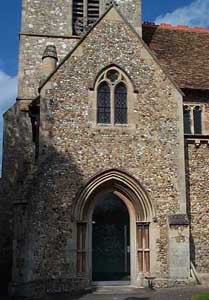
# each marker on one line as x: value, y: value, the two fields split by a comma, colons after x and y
x: 85, y: 14
x: 78, y: 13
x: 93, y: 10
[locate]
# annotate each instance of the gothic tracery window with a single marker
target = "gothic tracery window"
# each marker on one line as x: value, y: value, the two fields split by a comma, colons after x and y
x: 112, y: 94
x: 85, y: 14
x: 193, y: 119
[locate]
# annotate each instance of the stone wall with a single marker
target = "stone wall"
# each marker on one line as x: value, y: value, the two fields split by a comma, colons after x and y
x: 9, y: 168
x: 6, y: 227
x: 131, y: 10
x: 197, y: 169
x: 30, y: 61
x: 18, y: 148
x: 72, y: 150
x: 46, y: 17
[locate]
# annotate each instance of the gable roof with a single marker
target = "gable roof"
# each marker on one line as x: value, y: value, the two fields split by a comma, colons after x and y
x: 112, y: 6
x: 183, y: 51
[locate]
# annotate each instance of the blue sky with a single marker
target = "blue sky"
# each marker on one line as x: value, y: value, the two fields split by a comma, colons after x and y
x: 187, y: 12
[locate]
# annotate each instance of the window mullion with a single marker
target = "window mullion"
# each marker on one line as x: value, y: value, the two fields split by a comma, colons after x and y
x: 112, y: 91
x: 192, y: 119
x: 85, y: 10
x: 202, y: 121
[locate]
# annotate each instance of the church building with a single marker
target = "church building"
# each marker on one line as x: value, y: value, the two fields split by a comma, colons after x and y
x: 106, y: 151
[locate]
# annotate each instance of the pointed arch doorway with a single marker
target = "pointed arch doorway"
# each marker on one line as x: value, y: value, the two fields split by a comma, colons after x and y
x: 114, y: 215
x: 110, y: 240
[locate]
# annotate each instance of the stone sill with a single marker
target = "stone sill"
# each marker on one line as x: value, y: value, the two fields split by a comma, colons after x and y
x: 196, y: 139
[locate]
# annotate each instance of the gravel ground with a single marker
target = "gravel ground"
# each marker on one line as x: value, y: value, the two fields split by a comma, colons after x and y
x: 130, y: 294
x: 139, y: 294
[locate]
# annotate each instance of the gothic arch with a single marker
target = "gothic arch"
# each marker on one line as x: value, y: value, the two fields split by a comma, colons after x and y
x: 126, y: 187
x: 120, y: 70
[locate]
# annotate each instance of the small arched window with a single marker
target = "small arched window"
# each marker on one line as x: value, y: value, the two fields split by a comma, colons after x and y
x: 120, y: 104
x: 112, y: 98
x: 193, y: 119
x: 187, y: 120
x: 103, y: 103
x: 197, y: 115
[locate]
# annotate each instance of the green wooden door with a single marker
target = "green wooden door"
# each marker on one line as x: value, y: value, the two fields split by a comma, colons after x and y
x: 110, y: 240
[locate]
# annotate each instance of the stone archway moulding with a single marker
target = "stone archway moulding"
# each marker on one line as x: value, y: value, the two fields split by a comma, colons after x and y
x: 120, y: 70
x: 120, y: 181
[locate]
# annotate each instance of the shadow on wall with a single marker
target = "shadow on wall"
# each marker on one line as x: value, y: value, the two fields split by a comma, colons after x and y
x: 5, y: 240
x: 188, y: 198
x: 43, y: 228
x: 5, y: 267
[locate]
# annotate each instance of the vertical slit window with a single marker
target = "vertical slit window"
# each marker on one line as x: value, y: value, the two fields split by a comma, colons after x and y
x: 81, y: 248
x: 103, y: 104
x: 197, y: 115
x: 120, y: 104
x: 143, y: 247
x: 187, y: 120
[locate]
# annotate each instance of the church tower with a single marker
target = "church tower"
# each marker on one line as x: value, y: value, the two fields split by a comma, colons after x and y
x: 60, y: 23
x: 86, y: 12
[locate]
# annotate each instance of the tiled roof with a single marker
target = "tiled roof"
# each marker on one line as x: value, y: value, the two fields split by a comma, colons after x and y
x: 183, y: 51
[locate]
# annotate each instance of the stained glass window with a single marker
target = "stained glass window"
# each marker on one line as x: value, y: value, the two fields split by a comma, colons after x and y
x: 197, y: 115
x: 112, y: 75
x: 187, y: 120
x: 103, y: 103
x: 120, y: 102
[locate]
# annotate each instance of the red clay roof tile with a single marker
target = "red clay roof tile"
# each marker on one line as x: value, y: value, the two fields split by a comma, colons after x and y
x: 182, y: 50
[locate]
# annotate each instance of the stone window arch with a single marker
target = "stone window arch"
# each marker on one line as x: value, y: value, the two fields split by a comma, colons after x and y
x: 142, y: 214
x: 112, y: 99
x: 193, y: 119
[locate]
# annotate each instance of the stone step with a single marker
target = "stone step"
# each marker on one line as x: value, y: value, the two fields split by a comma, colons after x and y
x: 117, y: 290
x: 204, y: 279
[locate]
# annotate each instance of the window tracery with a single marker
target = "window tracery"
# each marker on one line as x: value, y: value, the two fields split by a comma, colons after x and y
x: 112, y: 94
x: 193, y: 119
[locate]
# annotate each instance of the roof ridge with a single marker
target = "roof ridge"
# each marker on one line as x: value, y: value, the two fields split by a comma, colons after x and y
x: 176, y: 27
